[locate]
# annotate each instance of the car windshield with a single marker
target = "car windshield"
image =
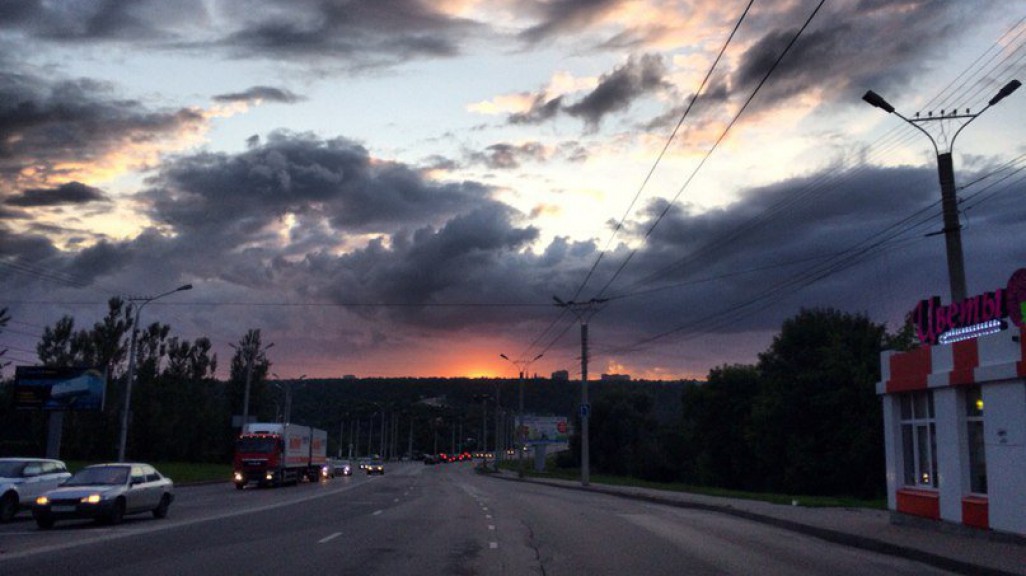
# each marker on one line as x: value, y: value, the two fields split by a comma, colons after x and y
x: 99, y: 475
x: 11, y: 469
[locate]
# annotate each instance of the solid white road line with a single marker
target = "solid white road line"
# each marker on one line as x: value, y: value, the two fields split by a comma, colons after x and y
x: 329, y: 538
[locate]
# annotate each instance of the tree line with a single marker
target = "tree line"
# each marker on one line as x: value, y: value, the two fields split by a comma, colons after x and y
x: 804, y: 419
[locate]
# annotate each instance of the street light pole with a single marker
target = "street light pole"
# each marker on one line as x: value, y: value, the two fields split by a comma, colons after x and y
x: 520, y: 443
x: 946, y: 173
x: 584, y: 311
x: 123, y: 441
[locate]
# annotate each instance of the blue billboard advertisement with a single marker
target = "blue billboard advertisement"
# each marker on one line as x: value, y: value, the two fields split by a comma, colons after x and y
x: 44, y: 388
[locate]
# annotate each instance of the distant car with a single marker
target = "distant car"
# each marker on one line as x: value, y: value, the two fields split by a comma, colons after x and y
x: 340, y: 468
x: 364, y: 463
x: 376, y: 467
x: 23, y: 479
x: 106, y: 492
x: 430, y: 459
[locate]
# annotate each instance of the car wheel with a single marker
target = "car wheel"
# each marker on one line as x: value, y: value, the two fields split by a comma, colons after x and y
x: 8, y: 506
x: 161, y: 510
x: 44, y: 521
x: 117, y: 513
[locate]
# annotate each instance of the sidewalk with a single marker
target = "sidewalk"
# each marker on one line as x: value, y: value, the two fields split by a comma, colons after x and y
x: 944, y: 546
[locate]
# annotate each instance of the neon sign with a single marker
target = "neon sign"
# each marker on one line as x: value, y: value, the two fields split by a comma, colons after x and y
x: 972, y: 317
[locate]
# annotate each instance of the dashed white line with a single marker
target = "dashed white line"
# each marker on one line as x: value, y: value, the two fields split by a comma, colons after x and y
x: 493, y: 545
x: 378, y: 512
x: 491, y: 527
x: 329, y: 538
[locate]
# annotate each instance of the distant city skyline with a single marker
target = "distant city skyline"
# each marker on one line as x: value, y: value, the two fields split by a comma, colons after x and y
x: 400, y: 189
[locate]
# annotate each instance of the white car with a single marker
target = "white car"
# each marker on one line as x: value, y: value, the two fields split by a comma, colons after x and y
x: 106, y: 492
x: 23, y: 479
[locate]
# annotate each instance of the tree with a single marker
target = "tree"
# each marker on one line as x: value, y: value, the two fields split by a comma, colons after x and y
x: 716, y: 422
x: 260, y: 404
x: 816, y: 422
x: 624, y: 435
x: 4, y: 319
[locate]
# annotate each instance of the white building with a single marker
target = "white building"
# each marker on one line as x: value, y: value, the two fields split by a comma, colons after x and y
x: 955, y: 425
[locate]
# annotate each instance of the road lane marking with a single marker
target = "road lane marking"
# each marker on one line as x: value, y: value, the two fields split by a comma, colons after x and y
x: 121, y: 533
x: 329, y: 538
x: 491, y: 527
x: 395, y: 500
x: 493, y: 545
x: 378, y: 512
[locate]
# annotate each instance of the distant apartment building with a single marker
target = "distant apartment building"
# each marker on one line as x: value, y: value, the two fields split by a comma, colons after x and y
x: 561, y: 376
x: 616, y: 378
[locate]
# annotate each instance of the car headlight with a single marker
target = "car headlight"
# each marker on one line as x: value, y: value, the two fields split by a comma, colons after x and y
x: 92, y: 499
x: 238, y: 476
x: 42, y: 501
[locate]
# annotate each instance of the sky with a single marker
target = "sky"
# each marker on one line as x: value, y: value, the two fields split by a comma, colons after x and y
x: 407, y: 188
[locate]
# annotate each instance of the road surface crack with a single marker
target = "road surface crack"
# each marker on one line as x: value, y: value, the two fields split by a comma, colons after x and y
x: 534, y: 546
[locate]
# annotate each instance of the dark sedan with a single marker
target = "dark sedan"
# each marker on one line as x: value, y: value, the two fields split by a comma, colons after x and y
x: 106, y: 492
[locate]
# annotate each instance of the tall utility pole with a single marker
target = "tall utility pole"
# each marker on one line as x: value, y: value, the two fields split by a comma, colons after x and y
x: 252, y: 349
x: 123, y: 440
x: 946, y: 172
x: 520, y: 441
x: 584, y: 311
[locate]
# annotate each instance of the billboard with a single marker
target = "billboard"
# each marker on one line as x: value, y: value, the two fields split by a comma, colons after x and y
x: 545, y: 429
x: 44, y: 388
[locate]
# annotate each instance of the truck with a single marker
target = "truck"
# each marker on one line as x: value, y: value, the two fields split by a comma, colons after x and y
x: 275, y: 454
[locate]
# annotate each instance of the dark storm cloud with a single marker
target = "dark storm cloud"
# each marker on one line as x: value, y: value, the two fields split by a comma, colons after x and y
x: 619, y: 89
x: 461, y: 261
x: 229, y: 198
x: 849, y: 244
x: 542, y: 109
x: 101, y: 20
x: 71, y: 193
x: 615, y: 92
x: 45, y: 124
x: 842, y: 50
x: 510, y: 156
x: 363, y: 33
x: 316, y: 32
x: 564, y: 16
x: 261, y: 93
x: 506, y: 156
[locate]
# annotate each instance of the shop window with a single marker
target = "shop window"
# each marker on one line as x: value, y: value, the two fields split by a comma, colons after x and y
x: 974, y: 433
x: 919, y: 439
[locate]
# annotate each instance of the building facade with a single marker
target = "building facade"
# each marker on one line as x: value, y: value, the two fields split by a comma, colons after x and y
x: 955, y: 427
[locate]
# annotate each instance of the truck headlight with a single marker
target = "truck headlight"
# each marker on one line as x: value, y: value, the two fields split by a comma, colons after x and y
x: 269, y: 476
x: 238, y: 476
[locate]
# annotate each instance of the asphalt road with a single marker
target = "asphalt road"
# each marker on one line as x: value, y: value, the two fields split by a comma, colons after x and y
x: 419, y: 520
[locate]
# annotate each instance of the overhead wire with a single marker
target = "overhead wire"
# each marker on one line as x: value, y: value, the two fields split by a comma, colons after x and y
x: 552, y: 342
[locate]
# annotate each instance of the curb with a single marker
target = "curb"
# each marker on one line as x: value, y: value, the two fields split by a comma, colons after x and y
x: 834, y: 536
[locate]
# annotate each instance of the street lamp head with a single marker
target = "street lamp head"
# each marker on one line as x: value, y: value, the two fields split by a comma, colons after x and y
x: 1008, y: 89
x: 503, y: 356
x: 184, y: 288
x: 877, y: 100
